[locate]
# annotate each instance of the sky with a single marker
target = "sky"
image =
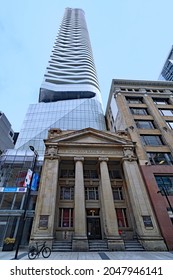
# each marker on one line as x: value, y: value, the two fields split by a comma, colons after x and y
x: 130, y: 39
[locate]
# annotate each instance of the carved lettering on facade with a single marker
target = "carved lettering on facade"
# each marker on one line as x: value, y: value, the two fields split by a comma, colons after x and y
x: 91, y: 151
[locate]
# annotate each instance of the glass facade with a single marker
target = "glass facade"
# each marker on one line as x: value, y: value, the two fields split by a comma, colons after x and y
x: 69, y: 97
x: 66, y: 115
x: 167, y: 70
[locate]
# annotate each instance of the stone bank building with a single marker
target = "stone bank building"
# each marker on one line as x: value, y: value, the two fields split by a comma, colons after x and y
x: 92, y: 193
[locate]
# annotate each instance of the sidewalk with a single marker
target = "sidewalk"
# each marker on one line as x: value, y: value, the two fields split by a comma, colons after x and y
x: 116, y: 255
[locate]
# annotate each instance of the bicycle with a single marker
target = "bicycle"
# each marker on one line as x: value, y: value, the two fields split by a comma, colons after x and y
x: 34, y: 252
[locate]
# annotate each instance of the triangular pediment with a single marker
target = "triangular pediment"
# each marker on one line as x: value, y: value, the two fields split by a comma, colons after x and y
x: 88, y: 136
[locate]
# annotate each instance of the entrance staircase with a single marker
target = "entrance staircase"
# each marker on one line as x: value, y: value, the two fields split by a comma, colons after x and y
x: 133, y: 245
x: 98, y: 245
x: 62, y: 246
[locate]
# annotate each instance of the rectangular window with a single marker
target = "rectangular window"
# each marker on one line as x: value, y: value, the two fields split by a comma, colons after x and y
x: 67, y: 173
x: 165, y: 184
x: 151, y: 140
x: 121, y: 217
x: 115, y: 174
x: 170, y: 124
x: 139, y: 111
x: 134, y: 100
x: 145, y: 124
x: 117, y: 193
x: 91, y: 193
x: 160, y: 158
x: 90, y: 174
x: 160, y: 101
x: 67, y: 193
x: 164, y: 112
x: 66, y: 217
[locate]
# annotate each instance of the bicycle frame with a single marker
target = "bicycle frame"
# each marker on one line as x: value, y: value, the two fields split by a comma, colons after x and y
x: 40, y: 245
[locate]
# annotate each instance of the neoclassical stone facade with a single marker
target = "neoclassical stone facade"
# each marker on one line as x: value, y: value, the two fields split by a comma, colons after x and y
x: 91, y: 188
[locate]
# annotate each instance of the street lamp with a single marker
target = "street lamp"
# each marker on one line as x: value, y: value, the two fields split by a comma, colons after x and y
x: 165, y: 193
x: 25, y: 207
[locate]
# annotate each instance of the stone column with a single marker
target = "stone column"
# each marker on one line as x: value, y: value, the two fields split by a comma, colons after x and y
x: 80, y: 241
x: 108, y: 209
x: 43, y: 225
x: 146, y: 226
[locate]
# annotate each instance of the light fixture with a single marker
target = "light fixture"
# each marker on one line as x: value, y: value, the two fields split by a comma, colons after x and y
x: 32, y: 148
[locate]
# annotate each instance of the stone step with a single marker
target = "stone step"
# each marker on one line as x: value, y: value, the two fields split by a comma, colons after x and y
x: 62, y: 246
x: 98, y: 245
x: 133, y: 245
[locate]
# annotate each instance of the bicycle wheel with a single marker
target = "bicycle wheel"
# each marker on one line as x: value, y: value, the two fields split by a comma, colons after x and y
x: 46, y: 252
x: 32, y: 253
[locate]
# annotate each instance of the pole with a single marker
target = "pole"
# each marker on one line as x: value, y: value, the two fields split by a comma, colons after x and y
x: 25, y: 207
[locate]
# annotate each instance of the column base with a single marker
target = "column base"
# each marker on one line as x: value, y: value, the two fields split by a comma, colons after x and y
x: 115, y: 244
x: 80, y: 244
x: 154, y: 245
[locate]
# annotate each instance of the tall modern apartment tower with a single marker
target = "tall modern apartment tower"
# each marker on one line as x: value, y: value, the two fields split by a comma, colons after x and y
x: 69, y: 97
x: 167, y: 70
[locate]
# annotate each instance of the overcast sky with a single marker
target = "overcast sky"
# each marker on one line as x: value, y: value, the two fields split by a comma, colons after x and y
x: 130, y: 40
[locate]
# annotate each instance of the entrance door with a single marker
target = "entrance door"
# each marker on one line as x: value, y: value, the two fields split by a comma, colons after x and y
x: 93, y: 228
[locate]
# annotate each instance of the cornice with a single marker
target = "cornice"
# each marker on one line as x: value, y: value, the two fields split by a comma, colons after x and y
x: 140, y: 83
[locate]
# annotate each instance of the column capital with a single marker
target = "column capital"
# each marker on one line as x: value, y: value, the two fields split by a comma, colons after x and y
x: 103, y: 159
x: 78, y: 158
x: 52, y: 152
x: 129, y: 154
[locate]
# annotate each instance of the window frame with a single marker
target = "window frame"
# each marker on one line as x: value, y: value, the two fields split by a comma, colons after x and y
x: 147, y: 142
x: 134, y: 100
x: 117, y: 192
x: 122, y: 217
x: 166, y: 157
x: 168, y: 187
x: 144, y: 110
x: 63, y: 192
x: 92, y: 173
x: 169, y: 124
x: 160, y: 101
x: 161, y: 111
x: 150, y: 124
x: 94, y: 191
x: 66, y: 221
